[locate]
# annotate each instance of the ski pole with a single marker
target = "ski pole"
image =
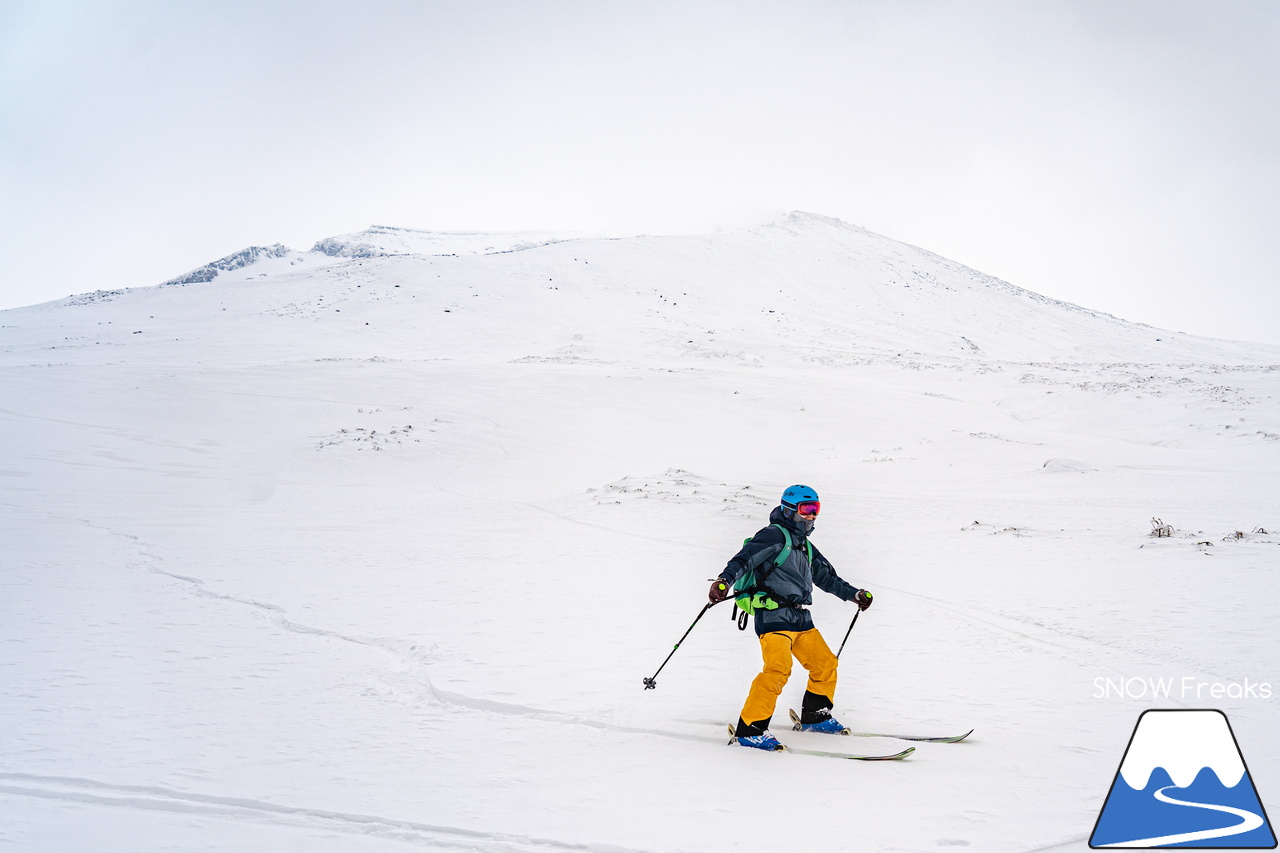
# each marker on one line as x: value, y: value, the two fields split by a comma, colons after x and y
x: 847, y: 633
x: 651, y: 683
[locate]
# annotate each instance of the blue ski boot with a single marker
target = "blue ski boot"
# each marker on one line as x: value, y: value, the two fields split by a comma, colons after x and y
x: 764, y: 741
x: 828, y: 726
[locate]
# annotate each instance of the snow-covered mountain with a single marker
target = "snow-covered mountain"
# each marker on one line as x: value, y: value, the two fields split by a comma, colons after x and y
x: 803, y: 290
x: 369, y: 546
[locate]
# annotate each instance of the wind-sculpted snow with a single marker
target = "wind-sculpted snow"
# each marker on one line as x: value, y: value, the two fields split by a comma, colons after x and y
x: 235, y: 261
x: 336, y: 248
x: 380, y: 240
x: 678, y: 487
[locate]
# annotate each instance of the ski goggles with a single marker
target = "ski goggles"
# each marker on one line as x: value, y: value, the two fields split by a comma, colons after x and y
x: 808, y: 507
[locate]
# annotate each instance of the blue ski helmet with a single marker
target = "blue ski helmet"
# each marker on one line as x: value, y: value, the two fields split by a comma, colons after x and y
x: 795, y: 495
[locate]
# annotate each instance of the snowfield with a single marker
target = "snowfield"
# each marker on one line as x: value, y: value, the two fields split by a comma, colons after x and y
x: 370, y: 552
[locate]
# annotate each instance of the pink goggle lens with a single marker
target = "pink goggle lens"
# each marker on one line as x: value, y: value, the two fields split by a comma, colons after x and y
x: 808, y: 507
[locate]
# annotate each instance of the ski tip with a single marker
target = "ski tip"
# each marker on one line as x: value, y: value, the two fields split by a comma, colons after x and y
x: 951, y: 739
x: 922, y: 739
x: 895, y: 757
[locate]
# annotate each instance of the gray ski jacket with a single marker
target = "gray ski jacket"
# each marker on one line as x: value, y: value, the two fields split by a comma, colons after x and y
x: 791, y: 584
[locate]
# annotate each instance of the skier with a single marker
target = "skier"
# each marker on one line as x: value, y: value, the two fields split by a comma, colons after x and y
x: 778, y: 595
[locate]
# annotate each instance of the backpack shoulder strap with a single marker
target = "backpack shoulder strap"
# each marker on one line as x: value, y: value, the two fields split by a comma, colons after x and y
x: 752, y: 580
x: 786, y: 546
x: 750, y: 585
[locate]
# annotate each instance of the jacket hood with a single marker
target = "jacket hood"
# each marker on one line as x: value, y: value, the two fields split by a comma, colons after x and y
x: 789, y: 520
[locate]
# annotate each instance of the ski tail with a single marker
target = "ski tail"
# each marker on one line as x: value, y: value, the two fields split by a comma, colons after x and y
x: 795, y: 720
x: 823, y: 754
x: 798, y: 726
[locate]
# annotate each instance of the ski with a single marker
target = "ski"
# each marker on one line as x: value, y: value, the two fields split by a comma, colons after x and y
x: 795, y: 721
x: 824, y: 754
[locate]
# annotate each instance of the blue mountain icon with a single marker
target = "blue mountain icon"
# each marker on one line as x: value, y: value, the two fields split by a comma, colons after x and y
x: 1183, y: 783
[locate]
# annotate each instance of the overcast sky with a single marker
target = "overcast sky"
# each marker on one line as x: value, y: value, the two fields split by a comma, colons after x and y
x: 1117, y: 154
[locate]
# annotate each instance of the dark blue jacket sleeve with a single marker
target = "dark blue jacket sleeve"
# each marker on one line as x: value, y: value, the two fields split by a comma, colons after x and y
x: 826, y: 579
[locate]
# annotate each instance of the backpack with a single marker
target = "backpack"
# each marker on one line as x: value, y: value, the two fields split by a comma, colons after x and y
x: 750, y: 591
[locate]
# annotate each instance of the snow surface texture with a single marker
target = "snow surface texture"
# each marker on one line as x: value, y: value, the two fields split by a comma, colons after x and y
x: 371, y: 550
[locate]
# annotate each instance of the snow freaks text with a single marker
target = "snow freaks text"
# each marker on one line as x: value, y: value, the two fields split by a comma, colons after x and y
x: 1187, y: 687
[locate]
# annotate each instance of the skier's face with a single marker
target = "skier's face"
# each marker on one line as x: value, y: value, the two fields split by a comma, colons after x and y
x: 807, y: 510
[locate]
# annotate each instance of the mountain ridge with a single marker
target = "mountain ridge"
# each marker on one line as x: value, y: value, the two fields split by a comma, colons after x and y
x: 804, y: 289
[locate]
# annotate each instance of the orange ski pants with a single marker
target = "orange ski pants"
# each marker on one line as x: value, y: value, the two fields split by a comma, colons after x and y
x: 777, y: 648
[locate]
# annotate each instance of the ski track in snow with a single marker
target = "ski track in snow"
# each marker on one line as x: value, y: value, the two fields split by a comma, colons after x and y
x: 1047, y: 639
x: 391, y: 647
x: 88, y: 791
x: 394, y: 649
x: 154, y: 798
